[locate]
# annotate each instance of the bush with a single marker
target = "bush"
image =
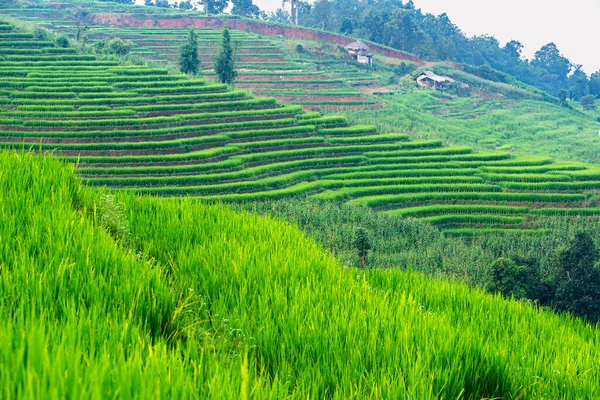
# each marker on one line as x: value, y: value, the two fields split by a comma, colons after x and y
x: 116, y: 46
x: 62, y: 41
x: 588, y: 102
x: 299, y: 48
x: 40, y: 34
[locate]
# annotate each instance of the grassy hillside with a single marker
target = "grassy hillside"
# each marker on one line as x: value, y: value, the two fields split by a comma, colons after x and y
x: 503, y: 113
x: 139, y: 128
x: 205, y: 302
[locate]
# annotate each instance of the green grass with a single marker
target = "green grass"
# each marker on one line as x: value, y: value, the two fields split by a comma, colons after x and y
x: 168, y: 324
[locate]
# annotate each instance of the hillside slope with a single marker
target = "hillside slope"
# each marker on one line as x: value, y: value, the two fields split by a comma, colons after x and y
x: 138, y: 128
x: 195, y: 300
x: 308, y: 67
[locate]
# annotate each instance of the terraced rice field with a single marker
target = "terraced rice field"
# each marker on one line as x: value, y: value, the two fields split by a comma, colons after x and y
x: 142, y: 129
x: 263, y: 66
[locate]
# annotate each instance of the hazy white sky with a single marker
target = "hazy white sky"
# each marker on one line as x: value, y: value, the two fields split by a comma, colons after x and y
x: 572, y: 25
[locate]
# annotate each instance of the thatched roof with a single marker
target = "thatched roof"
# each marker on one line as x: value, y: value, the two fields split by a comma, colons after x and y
x: 357, y: 45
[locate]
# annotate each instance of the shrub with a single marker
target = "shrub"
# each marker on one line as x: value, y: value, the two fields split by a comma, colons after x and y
x: 362, y: 244
x: 62, y: 41
x: 508, y: 278
x: 578, y: 290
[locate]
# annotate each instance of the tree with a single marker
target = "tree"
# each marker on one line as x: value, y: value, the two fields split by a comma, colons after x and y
x: 119, y: 47
x: 347, y: 27
x: 162, y: 3
x: 148, y: 3
x: 116, y: 46
x: 513, y: 49
x: 508, y: 278
x: 588, y: 102
x: 280, y: 15
x: 579, y: 83
x: 224, y: 62
x: 293, y: 10
x: 81, y: 35
x: 188, y: 54
x: 245, y: 8
x: 362, y: 244
x: 595, y: 84
x: 562, y: 97
x: 186, y: 5
x: 579, y: 285
x: 214, y: 6
x: 549, y: 59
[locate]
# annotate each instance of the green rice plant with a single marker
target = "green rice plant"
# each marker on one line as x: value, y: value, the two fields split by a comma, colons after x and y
x: 566, y: 211
x: 399, y: 171
x: 525, y: 177
x: 442, y: 209
x: 381, y: 138
x: 69, y: 57
x: 473, y: 219
x: 106, y: 96
x: 552, y: 186
x: 436, y: 189
x: 25, y: 43
x: 418, y: 152
x: 160, y: 84
x: 71, y: 114
x: 328, y: 121
x: 46, y: 108
x: 93, y: 108
x: 351, y: 130
x: 470, y: 232
x: 51, y: 50
x: 309, y: 115
x: 43, y: 95
x: 77, y: 89
x: 391, y: 201
x: 551, y: 168
x: 476, y: 157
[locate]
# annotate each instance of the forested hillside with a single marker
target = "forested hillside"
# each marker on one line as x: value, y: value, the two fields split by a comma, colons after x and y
x: 399, y: 24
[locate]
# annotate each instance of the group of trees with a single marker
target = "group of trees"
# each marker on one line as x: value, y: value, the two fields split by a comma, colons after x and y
x: 224, y: 62
x: 574, y: 286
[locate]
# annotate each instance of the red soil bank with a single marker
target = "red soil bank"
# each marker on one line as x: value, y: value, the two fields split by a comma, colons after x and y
x: 289, y: 32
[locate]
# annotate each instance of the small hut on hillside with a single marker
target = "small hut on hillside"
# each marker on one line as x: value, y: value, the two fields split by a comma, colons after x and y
x: 360, y: 52
x: 432, y: 80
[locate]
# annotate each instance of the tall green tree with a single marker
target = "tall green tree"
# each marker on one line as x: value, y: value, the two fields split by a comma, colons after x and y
x: 579, y: 286
x: 245, y: 8
x: 595, y: 84
x: 214, y: 6
x: 579, y: 83
x: 225, y: 60
x: 188, y: 54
